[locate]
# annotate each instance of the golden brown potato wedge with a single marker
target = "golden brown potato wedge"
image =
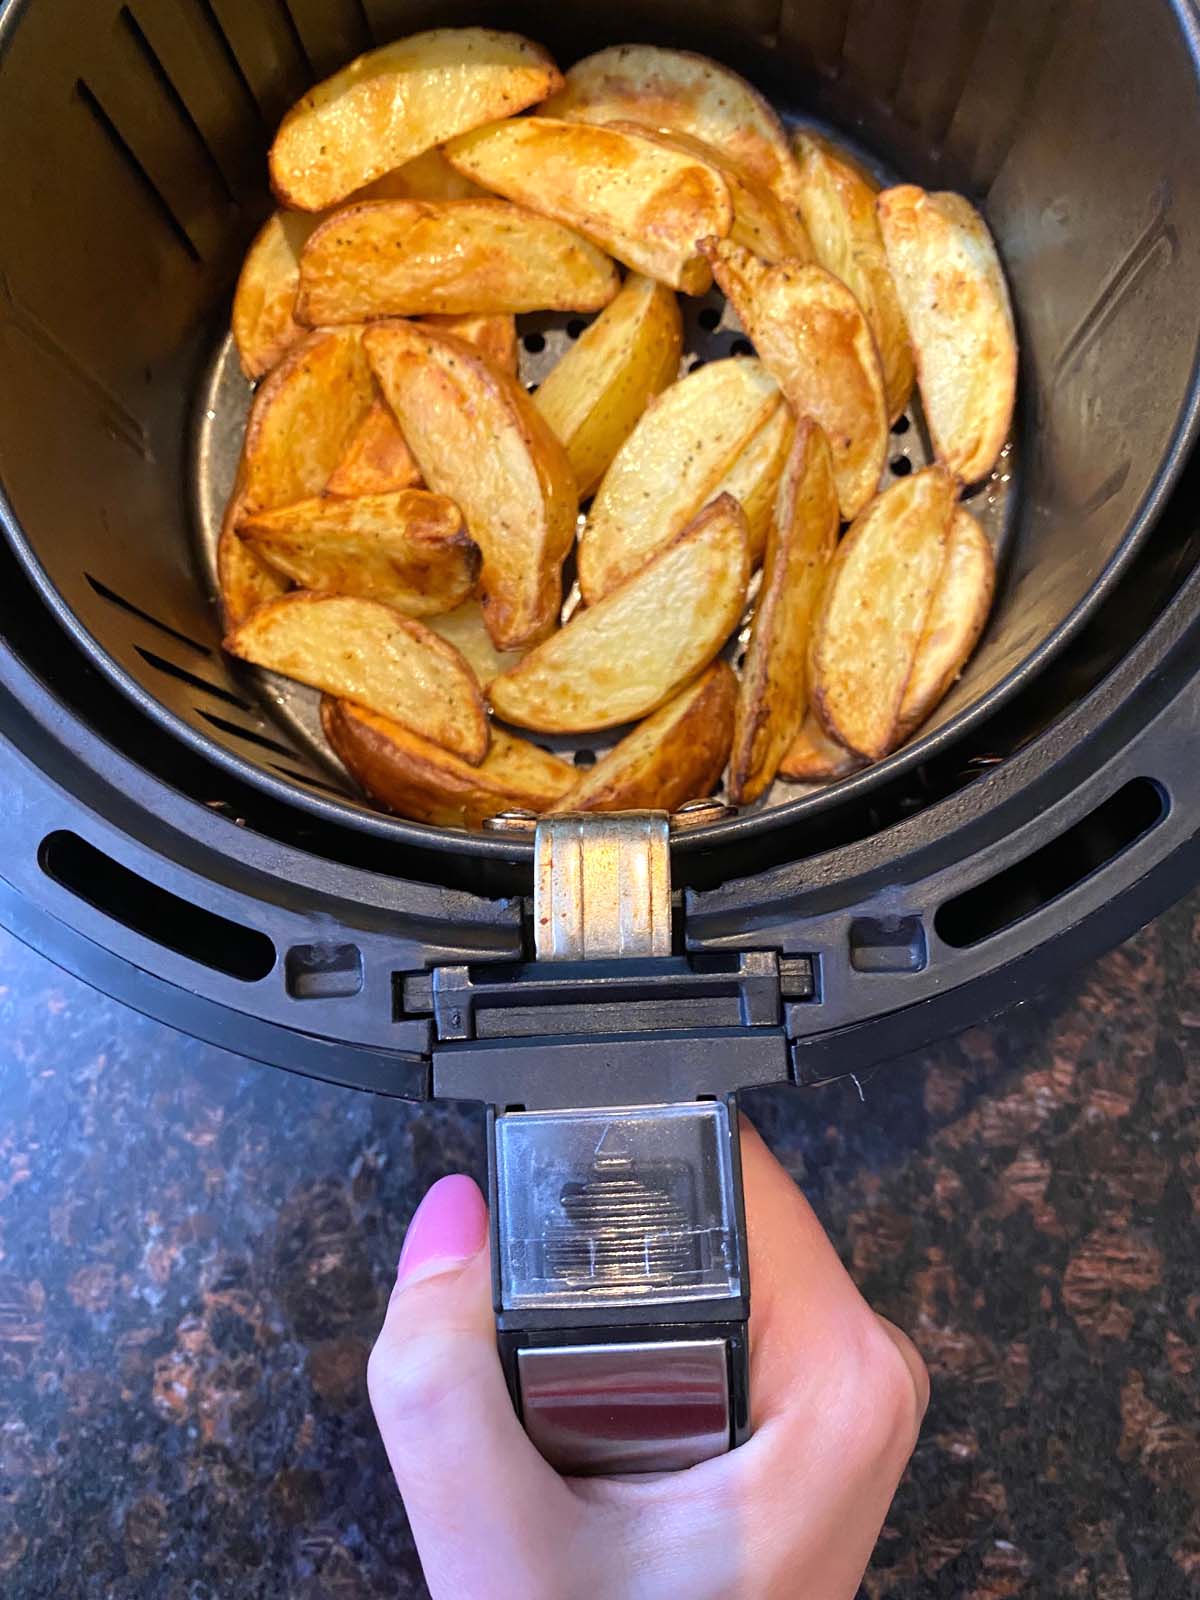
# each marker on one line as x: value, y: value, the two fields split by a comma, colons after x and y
x: 955, y: 300
x: 478, y: 438
x: 409, y: 548
x: 265, y: 298
x: 376, y: 459
x: 597, y: 391
x: 753, y: 479
x: 685, y: 93
x: 466, y: 630
x: 762, y: 221
x: 810, y: 332
x: 813, y: 757
x: 243, y: 580
x: 773, y: 694
x: 495, y: 335
x: 837, y: 201
x: 957, y: 614
x: 428, y: 176
x: 394, y: 103
x: 418, y: 779
x: 671, y: 465
x: 365, y: 651
x: 303, y: 417
x: 624, y: 656
x: 392, y: 258
x: 874, y: 609
x: 644, y: 203
x: 674, y: 756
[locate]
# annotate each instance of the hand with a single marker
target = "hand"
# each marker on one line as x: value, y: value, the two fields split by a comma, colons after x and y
x: 837, y: 1395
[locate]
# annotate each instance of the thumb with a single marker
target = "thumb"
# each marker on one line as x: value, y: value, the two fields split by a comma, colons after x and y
x: 479, y: 1497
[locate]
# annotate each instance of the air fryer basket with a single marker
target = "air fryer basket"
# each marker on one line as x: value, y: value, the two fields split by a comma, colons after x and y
x: 134, y: 177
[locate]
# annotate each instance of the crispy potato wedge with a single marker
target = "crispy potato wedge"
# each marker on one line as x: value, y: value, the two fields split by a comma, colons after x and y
x: 810, y: 332
x: 678, y: 91
x: 478, y: 438
x: 394, y: 103
x: 753, y: 479
x: 409, y: 548
x: 366, y: 651
x: 624, y: 656
x: 644, y: 203
x: 761, y: 220
x: 264, y: 327
x: 837, y: 201
x: 494, y: 335
x: 597, y: 391
x: 773, y: 694
x: 376, y: 460
x: 418, y: 779
x: 874, y: 610
x: 428, y: 176
x: 674, y: 756
x: 466, y: 630
x: 303, y: 417
x: 392, y: 258
x: 957, y: 614
x: 813, y: 757
x: 243, y: 580
x: 670, y: 466
x: 955, y: 300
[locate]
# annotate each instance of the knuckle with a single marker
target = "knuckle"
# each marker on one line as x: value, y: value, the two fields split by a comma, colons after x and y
x: 412, y: 1377
x: 879, y: 1397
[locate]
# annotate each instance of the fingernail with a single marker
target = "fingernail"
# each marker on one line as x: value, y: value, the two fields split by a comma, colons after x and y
x: 449, y: 1227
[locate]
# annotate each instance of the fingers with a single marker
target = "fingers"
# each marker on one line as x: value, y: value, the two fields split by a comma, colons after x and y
x: 486, y: 1511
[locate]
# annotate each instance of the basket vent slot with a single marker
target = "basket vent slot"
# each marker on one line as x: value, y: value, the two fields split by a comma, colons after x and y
x: 248, y: 735
x: 307, y: 778
x: 1053, y: 871
x: 154, y: 912
x: 172, y: 96
x: 192, y: 679
x: 119, y: 600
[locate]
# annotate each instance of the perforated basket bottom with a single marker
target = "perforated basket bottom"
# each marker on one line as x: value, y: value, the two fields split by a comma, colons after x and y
x: 711, y: 331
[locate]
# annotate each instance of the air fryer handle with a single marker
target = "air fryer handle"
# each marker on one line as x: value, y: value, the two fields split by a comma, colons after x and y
x: 619, y: 1272
x: 618, y: 1231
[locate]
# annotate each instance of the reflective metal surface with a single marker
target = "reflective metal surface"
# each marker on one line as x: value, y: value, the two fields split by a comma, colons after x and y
x: 649, y: 1407
x: 602, y: 886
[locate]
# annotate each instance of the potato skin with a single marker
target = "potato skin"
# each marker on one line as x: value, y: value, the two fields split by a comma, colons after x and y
x: 813, y: 757
x: 957, y: 615
x: 418, y: 779
x: 674, y: 756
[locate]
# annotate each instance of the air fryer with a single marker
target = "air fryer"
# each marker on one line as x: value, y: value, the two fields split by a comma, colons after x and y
x: 177, y: 834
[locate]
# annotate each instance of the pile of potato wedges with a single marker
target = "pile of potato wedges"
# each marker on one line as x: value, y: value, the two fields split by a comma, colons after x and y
x: 405, y: 509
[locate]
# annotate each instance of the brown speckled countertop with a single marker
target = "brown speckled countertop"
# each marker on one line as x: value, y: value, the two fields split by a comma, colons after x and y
x: 195, y: 1252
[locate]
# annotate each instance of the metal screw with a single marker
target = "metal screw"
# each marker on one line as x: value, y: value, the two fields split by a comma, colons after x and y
x: 699, y: 813
x: 515, y: 821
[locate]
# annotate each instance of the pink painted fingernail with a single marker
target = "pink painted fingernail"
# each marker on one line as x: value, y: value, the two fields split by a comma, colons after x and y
x: 449, y: 1227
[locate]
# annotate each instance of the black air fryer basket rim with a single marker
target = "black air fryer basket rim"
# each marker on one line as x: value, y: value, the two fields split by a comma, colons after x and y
x: 743, y: 827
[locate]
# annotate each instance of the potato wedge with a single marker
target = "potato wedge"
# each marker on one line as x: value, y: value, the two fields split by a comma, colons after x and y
x: 303, y: 417
x: 957, y: 614
x: 376, y: 460
x: 955, y: 300
x: 761, y: 220
x: 674, y: 756
x: 837, y: 200
x: 428, y: 176
x: 365, y: 651
x: 624, y: 656
x: 597, y: 391
x: 681, y: 92
x: 416, y: 778
x: 753, y: 479
x: 494, y: 335
x: 670, y: 466
x: 243, y: 580
x: 394, y: 103
x: 813, y: 757
x: 478, y: 438
x: 874, y: 610
x: 466, y: 630
x: 811, y: 334
x: 265, y: 298
x: 392, y: 258
x: 409, y: 548
x: 642, y: 202
x: 773, y: 693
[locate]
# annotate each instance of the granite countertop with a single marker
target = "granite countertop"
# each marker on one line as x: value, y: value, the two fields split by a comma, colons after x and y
x: 195, y: 1253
